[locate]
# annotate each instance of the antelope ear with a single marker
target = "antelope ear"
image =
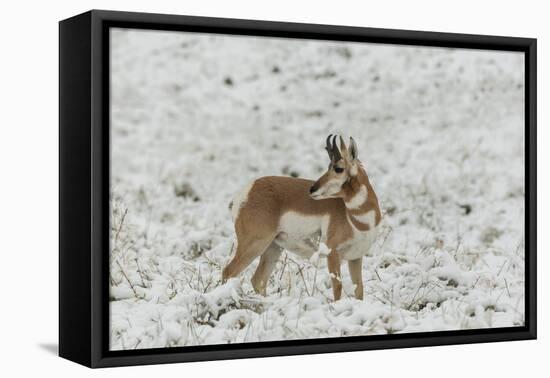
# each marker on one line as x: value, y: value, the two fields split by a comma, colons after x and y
x: 343, y: 147
x: 352, y: 149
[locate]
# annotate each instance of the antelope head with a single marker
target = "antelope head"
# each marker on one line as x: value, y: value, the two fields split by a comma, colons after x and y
x: 342, y: 168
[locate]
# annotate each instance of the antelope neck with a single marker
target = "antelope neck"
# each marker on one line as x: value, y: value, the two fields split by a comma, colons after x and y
x: 359, y: 210
x: 358, y: 197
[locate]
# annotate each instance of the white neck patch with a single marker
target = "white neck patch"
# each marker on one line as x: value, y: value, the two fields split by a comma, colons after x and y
x: 358, y: 198
x: 368, y: 218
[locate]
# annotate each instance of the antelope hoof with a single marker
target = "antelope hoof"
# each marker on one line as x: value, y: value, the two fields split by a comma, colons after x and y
x: 259, y: 287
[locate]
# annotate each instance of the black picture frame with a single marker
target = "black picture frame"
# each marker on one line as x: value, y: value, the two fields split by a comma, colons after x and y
x: 84, y: 187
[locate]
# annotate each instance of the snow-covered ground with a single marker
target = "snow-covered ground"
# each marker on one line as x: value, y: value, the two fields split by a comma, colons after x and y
x: 195, y: 117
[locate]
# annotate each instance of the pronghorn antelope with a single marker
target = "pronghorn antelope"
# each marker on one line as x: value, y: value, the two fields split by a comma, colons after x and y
x: 340, y: 209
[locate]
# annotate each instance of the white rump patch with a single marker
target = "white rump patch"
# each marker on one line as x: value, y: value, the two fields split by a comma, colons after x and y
x: 358, y: 199
x: 240, y: 199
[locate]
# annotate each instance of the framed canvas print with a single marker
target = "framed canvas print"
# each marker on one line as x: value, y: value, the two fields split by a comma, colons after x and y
x: 234, y: 188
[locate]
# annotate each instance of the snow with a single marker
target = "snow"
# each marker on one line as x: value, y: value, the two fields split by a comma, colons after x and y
x: 195, y: 117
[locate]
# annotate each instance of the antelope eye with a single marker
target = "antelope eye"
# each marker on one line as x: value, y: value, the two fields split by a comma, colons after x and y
x: 338, y: 169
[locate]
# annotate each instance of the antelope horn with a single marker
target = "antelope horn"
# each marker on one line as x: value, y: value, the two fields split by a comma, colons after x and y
x: 329, y: 148
x: 335, y: 151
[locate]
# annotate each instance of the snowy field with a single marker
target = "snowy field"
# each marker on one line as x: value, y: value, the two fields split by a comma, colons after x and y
x: 195, y: 117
